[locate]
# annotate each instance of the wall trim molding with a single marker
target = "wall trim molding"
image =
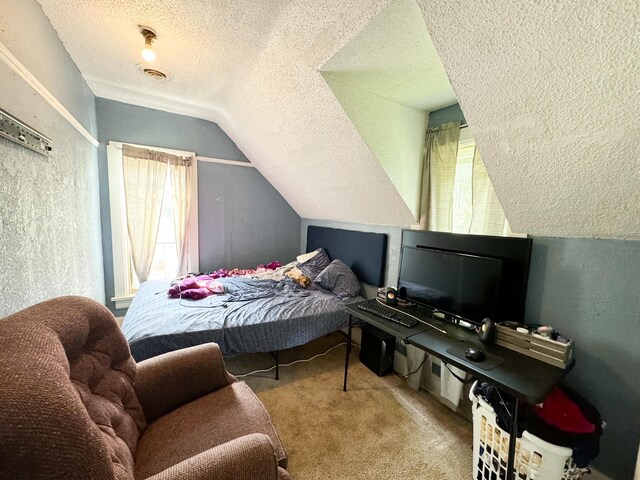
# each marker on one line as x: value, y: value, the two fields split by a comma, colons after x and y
x: 23, y: 72
x: 236, y: 163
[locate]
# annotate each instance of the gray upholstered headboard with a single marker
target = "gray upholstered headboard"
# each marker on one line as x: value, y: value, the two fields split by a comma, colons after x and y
x: 364, y: 252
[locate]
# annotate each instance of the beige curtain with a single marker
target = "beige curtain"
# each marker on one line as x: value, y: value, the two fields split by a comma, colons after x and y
x: 144, y: 175
x: 180, y: 170
x: 488, y: 217
x: 438, y: 175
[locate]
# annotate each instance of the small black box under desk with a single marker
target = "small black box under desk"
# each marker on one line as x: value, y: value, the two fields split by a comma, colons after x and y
x: 377, y: 349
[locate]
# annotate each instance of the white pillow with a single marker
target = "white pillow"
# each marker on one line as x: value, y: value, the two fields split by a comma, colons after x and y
x: 307, y: 256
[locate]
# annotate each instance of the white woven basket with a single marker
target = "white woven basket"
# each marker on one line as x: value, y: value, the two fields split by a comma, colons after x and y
x: 535, y: 459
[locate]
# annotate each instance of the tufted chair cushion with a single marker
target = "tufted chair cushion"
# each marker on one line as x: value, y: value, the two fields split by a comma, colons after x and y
x: 69, y: 409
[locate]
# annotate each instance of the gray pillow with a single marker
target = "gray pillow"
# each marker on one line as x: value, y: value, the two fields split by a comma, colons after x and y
x: 316, y: 264
x: 339, y: 279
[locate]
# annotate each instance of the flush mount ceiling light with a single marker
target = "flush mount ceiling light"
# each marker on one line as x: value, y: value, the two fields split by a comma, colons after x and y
x: 149, y: 35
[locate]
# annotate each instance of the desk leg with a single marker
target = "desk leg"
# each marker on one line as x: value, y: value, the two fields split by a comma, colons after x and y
x: 346, y: 361
x: 512, y: 441
x: 276, y: 358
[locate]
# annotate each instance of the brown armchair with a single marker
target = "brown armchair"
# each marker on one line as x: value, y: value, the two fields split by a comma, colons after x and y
x: 74, y: 405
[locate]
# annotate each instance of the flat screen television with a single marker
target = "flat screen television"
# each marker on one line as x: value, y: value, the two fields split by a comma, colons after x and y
x: 513, y: 253
x: 461, y: 286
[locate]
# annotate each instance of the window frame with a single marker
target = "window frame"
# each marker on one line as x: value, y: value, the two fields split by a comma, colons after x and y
x: 122, y: 267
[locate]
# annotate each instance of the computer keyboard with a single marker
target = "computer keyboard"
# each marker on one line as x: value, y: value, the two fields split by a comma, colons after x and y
x: 377, y: 308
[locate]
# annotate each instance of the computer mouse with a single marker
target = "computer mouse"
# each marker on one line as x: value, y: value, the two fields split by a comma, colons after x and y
x: 475, y: 354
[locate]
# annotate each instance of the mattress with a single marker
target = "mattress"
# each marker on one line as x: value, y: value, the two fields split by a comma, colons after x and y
x: 251, y: 316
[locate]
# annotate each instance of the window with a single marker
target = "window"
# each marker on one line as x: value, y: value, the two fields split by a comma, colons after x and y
x: 165, y: 257
x: 462, y: 186
x: 459, y: 195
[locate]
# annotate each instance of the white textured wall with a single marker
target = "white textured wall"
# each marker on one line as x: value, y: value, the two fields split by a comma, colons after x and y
x: 551, y: 91
x: 393, y: 132
x: 49, y: 213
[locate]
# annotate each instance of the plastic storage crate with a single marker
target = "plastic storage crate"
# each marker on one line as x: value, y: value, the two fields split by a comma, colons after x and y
x: 535, y: 459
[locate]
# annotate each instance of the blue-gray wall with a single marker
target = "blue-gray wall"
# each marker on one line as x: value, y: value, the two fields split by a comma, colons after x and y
x: 452, y: 113
x: 49, y: 214
x: 590, y: 289
x: 243, y: 220
x: 28, y: 34
x: 121, y: 122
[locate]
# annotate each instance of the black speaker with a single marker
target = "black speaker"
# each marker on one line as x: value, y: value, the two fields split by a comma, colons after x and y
x: 391, y: 297
x: 377, y: 349
x: 486, y: 330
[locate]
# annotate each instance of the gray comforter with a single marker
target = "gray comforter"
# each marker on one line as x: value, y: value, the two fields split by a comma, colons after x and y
x: 252, y: 316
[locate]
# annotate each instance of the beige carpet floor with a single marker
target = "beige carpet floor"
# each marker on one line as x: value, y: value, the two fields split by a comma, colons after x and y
x: 379, y: 429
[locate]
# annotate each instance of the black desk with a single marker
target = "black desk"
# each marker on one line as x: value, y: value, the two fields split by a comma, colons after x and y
x: 523, y: 377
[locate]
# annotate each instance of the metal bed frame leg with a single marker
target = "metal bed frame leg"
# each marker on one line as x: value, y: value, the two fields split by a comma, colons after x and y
x: 276, y: 356
x: 346, y: 361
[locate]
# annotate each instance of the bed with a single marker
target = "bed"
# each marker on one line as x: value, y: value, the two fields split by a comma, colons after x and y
x: 254, y: 315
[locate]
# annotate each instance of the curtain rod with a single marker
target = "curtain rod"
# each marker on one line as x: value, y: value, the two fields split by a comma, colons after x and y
x: 439, y: 127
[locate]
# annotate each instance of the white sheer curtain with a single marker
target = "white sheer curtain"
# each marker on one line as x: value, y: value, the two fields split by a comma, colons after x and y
x: 180, y: 174
x: 488, y: 216
x: 144, y: 174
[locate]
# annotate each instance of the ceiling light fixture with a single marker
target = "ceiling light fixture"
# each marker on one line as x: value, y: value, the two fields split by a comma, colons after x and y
x: 155, y: 73
x: 149, y: 37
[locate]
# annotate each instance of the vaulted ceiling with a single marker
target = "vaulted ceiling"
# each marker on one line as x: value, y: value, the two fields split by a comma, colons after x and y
x: 550, y: 92
x: 252, y: 67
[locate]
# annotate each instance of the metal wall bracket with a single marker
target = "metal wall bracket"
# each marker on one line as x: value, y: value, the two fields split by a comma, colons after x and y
x: 21, y: 133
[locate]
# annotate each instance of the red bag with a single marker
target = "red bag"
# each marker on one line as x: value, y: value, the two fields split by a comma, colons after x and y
x: 563, y: 413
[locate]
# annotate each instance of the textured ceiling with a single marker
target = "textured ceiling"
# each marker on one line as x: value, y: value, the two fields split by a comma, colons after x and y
x: 253, y: 68
x: 551, y: 92
x: 386, y: 79
x: 394, y: 57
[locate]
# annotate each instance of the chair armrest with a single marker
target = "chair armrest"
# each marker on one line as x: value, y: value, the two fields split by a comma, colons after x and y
x: 250, y: 457
x: 165, y: 382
